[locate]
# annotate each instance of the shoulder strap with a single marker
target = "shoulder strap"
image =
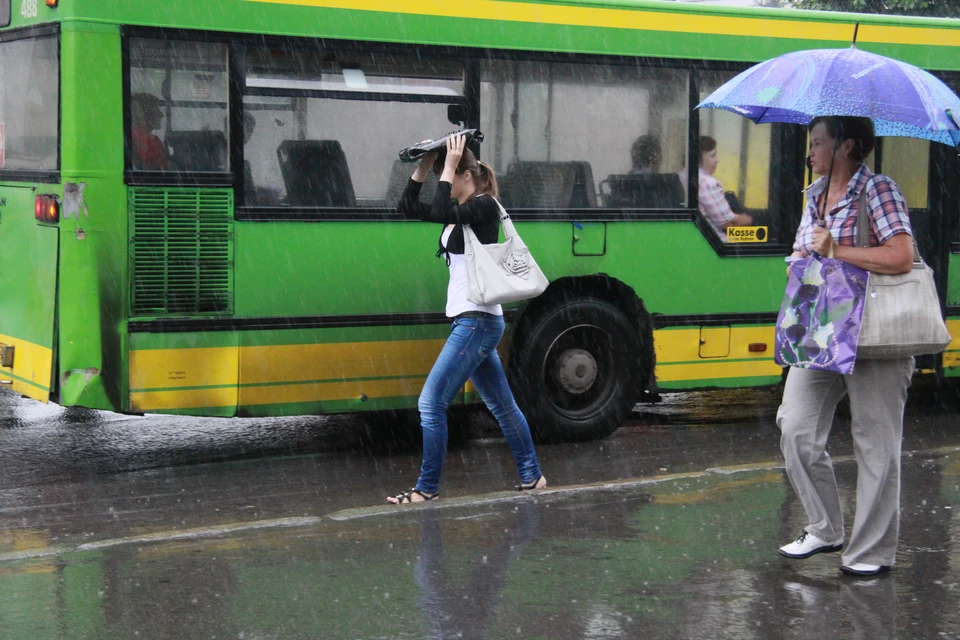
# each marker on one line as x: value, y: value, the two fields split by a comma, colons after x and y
x: 508, y: 230
x: 863, y: 220
x: 863, y: 226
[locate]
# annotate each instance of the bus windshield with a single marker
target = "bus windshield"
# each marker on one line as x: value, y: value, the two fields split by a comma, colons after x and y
x: 29, y: 104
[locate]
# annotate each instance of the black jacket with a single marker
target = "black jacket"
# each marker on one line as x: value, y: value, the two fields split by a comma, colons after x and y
x: 480, y: 212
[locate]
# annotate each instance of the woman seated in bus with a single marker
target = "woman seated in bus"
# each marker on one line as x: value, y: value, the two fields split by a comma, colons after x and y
x: 149, y: 152
x: 465, y: 195
x: 713, y: 204
x: 645, y: 155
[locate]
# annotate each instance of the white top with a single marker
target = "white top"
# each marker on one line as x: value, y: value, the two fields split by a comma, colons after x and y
x: 458, y: 288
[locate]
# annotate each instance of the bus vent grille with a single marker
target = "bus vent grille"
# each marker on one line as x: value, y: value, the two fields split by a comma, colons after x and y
x: 181, y: 252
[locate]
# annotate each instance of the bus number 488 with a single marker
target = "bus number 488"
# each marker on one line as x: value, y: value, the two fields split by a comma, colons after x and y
x: 28, y: 8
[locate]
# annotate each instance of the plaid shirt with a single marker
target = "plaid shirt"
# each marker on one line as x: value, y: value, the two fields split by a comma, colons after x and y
x: 713, y: 204
x: 888, y: 211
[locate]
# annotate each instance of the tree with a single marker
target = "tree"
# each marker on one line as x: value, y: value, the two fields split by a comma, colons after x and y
x: 930, y: 8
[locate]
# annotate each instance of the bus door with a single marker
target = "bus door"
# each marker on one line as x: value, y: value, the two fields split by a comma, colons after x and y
x: 943, y: 255
x: 29, y: 237
x: 28, y: 291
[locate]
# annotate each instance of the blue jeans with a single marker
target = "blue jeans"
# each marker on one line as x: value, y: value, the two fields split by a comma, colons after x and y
x: 471, y: 353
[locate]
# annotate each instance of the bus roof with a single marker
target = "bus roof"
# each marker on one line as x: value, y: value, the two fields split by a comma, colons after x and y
x: 628, y: 27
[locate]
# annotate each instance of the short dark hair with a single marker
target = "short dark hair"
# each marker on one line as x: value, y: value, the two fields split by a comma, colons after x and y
x: 645, y: 152
x: 707, y: 144
x: 860, y: 130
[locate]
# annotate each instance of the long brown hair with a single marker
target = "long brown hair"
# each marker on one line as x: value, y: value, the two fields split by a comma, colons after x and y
x: 484, y: 178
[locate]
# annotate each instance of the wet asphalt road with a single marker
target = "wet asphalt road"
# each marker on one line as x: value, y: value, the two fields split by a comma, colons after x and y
x: 692, y: 555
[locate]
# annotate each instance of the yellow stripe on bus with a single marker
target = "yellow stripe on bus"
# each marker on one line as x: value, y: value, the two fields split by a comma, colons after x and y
x: 951, y: 358
x: 683, y: 345
x: 231, y: 376
x: 334, y: 390
x: 215, y: 367
x: 349, y: 360
x: 142, y: 401
x: 644, y: 20
x: 167, y: 368
x: 32, y: 369
x: 717, y: 369
x: 164, y: 379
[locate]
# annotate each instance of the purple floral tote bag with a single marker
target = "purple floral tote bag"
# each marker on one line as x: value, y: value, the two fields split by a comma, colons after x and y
x: 819, y: 322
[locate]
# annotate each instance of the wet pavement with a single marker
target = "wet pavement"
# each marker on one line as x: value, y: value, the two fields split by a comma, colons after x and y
x: 158, y: 527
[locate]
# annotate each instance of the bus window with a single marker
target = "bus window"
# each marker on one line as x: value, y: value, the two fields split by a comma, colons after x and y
x: 567, y: 135
x: 907, y: 161
x: 743, y: 147
x: 29, y: 105
x: 178, y: 106
x: 323, y: 129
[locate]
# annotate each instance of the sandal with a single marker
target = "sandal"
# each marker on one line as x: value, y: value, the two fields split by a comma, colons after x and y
x: 534, y: 485
x: 406, y: 497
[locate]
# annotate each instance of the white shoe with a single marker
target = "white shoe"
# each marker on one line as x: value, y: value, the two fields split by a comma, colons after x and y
x: 807, y: 545
x: 864, y: 569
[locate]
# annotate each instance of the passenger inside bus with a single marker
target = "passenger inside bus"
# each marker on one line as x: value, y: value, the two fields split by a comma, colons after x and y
x: 149, y: 152
x: 645, y: 155
x: 713, y: 202
x: 250, y: 189
x: 644, y: 186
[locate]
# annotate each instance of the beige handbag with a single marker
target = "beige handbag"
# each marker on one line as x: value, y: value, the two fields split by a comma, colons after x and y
x: 901, y: 313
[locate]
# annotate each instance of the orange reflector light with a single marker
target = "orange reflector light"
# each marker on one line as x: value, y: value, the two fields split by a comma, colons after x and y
x: 47, y: 208
x: 52, y: 4
x: 757, y: 347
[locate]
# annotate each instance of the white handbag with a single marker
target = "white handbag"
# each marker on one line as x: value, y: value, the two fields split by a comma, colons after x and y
x: 901, y: 313
x: 501, y: 273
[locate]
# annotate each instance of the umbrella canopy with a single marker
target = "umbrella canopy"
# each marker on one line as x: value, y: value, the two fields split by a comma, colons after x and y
x: 901, y: 99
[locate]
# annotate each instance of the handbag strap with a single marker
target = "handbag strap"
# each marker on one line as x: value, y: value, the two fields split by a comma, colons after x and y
x: 863, y: 228
x: 508, y: 229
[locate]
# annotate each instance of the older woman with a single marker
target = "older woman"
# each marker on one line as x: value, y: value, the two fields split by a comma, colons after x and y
x: 877, y: 388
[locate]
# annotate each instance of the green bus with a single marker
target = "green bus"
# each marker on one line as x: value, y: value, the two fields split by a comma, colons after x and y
x: 197, y: 199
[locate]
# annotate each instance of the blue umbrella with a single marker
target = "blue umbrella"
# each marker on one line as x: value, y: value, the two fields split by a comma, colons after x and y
x: 902, y: 100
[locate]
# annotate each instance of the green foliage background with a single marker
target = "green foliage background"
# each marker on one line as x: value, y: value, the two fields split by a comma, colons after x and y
x: 930, y: 8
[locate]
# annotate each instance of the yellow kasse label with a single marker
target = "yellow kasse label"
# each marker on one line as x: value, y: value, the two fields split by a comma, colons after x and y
x: 747, y: 234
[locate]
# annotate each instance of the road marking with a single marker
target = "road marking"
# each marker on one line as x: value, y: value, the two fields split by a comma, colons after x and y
x: 205, y: 532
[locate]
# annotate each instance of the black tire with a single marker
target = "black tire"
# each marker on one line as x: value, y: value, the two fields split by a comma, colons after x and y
x: 578, y: 370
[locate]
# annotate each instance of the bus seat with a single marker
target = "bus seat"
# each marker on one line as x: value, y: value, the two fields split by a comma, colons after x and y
x: 399, y: 176
x: 551, y: 185
x: 198, y: 150
x: 316, y: 174
x: 643, y: 191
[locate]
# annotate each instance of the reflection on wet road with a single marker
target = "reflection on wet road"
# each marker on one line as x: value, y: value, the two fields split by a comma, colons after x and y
x: 689, y: 555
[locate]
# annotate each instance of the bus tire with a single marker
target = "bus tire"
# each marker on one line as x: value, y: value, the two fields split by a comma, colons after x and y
x: 575, y: 372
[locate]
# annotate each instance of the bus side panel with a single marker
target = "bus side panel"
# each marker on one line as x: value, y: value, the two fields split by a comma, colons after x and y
x: 187, y: 373
x: 28, y: 293
x: 94, y: 220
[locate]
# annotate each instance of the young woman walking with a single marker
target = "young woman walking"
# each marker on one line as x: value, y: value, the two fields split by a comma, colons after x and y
x: 465, y: 195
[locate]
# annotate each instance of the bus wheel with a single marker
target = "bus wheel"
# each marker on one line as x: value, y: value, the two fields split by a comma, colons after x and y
x: 577, y: 372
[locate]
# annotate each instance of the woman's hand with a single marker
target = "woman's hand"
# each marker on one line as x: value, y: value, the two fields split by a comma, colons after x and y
x: 455, y: 146
x: 822, y: 242
x: 425, y: 166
